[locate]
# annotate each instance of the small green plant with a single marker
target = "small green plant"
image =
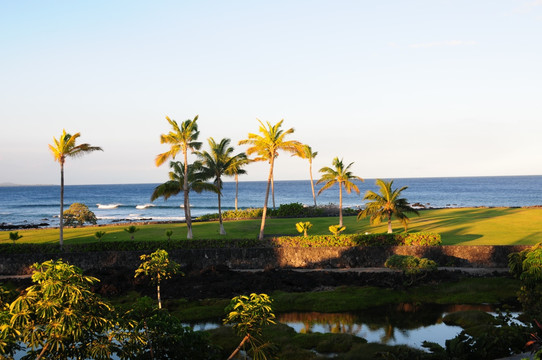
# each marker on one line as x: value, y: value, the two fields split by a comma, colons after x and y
x: 168, y: 234
x: 157, y: 266
x: 303, y: 227
x: 337, y: 229
x: 410, y: 264
x: 99, y: 235
x: 248, y: 315
x: 14, y: 236
x: 131, y: 230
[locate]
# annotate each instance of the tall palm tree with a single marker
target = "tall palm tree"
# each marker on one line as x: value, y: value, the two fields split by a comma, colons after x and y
x: 218, y: 163
x: 181, y: 138
x: 63, y: 148
x: 305, y: 152
x: 197, y: 180
x: 386, y: 204
x: 341, y: 175
x: 238, y: 162
x: 266, y: 146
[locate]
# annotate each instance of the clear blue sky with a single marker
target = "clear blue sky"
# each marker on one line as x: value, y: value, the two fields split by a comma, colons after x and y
x: 401, y: 88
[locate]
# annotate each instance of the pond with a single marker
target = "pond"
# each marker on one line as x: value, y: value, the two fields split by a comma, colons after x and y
x: 400, y: 324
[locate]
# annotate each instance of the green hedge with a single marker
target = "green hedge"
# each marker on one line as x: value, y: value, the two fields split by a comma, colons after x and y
x: 412, y: 239
x: 400, y: 239
x: 284, y: 211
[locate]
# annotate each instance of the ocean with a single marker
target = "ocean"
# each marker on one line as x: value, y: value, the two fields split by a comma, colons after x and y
x: 131, y: 202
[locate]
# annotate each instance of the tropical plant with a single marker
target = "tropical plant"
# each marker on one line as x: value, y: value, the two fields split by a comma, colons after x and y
x: 336, y: 229
x: 217, y: 162
x: 248, y: 315
x: 99, y: 235
x: 386, y: 205
x: 197, y: 181
x: 181, y: 138
x: 14, y: 236
x: 59, y: 317
x: 78, y: 214
x: 63, y: 148
x: 236, y: 169
x: 526, y: 266
x: 132, y: 229
x: 166, y: 337
x: 157, y: 266
x: 303, y: 227
x: 409, y: 264
x: 305, y: 152
x: 266, y: 146
x: 339, y: 174
x: 168, y: 233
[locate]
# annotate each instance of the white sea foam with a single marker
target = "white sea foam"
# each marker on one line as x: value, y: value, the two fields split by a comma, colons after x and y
x: 140, y: 207
x: 107, y: 206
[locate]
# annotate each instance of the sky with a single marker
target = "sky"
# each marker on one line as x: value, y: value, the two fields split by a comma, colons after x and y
x: 400, y: 88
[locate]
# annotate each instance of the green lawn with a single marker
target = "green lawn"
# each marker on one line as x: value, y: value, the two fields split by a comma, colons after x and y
x: 468, y: 226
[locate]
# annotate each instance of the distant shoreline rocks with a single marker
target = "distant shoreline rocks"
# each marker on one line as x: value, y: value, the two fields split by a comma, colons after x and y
x: 4, y: 226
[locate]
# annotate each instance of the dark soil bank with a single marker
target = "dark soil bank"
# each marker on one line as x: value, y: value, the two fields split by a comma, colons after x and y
x: 221, y: 282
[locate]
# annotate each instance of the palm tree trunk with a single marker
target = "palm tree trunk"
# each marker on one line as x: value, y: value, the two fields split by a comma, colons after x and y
x: 61, y: 204
x: 236, y: 190
x: 264, y: 214
x: 389, y: 224
x: 340, y: 204
x: 273, y: 191
x: 222, y: 231
x: 312, y: 183
x: 187, y: 216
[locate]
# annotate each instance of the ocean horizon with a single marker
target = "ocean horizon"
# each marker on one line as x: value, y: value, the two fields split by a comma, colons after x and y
x: 34, y: 204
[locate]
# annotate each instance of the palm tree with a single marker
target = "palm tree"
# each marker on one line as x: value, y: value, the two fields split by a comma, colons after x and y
x: 305, y: 152
x: 182, y: 138
x: 341, y: 175
x: 238, y: 162
x: 218, y: 162
x: 266, y: 145
x: 386, y: 204
x: 63, y: 148
x: 196, y: 181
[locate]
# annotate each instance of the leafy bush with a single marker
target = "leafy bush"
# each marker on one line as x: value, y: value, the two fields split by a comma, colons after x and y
x: 526, y: 265
x: 410, y: 264
x: 78, y: 214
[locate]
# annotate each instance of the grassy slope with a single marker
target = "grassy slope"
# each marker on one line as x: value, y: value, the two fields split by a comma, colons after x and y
x: 468, y: 226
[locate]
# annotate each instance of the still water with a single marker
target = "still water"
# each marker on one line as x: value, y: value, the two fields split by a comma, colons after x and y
x: 400, y: 324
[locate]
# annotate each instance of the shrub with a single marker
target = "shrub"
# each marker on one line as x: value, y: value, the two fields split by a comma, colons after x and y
x: 336, y: 229
x: 410, y: 264
x: 78, y: 214
x: 284, y: 210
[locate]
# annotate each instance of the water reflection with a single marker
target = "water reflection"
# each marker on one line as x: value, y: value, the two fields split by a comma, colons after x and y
x: 404, y: 323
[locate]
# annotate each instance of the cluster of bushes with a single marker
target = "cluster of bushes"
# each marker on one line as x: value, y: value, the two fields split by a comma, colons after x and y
x: 410, y: 264
x: 284, y: 210
x: 400, y: 239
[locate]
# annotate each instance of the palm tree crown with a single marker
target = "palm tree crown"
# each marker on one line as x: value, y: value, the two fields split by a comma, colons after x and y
x: 341, y: 175
x: 236, y: 168
x: 197, y: 180
x: 266, y: 145
x: 66, y: 146
x: 386, y: 204
x: 181, y: 138
x: 305, y: 152
x: 218, y: 162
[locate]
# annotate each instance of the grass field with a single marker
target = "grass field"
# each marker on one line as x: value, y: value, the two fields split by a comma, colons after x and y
x: 466, y: 226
